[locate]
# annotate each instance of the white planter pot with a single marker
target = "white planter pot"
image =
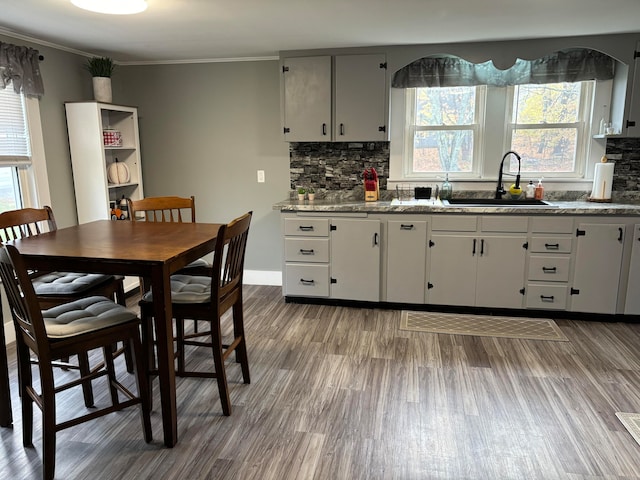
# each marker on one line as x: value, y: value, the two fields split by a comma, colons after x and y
x: 102, y: 89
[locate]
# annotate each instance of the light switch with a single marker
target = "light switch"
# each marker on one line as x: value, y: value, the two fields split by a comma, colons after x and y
x: 260, y: 176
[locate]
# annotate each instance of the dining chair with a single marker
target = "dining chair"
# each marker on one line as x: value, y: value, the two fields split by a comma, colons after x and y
x: 207, y: 298
x: 65, y: 330
x: 54, y: 288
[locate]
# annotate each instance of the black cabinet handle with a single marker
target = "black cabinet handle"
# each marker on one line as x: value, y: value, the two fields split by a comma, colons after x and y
x: 620, y: 234
x: 324, y: 129
x: 406, y: 227
x: 549, y: 269
x: 375, y: 238
x: 305, y: 228
x: 482, y: 247
x: 552, y: 246
x: 546, y: 298
x: 307, y: 282
x: 473, y: 252
x: 342, y: 129
x: 306, y: 252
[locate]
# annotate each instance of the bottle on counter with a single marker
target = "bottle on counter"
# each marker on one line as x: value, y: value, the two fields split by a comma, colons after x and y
x: 447, y: 189
x: 530, y: 191
x: 539, y: 191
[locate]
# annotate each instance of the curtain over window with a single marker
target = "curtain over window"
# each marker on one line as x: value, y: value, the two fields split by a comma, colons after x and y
x: 573, y: 65
x: 20, y: 66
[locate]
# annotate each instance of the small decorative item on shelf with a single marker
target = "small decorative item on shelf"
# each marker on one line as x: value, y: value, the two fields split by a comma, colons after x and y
x: 301, y: 192
x: 311, y: 194
x: 371, y: 185
x: 118, y: 173
x: 101, y: 69
x: 116, y: 213
x: 111, y: 137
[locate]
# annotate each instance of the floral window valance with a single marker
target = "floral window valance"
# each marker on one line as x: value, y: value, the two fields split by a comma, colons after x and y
x: 20, y: 66
x: 574, y: 65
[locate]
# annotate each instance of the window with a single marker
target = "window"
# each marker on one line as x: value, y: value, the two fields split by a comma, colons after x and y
x: 443, y: 129
x: 547, y: 126
x: 23, y: 176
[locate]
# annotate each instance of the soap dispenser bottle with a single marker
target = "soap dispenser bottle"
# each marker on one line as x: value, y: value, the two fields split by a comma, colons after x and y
x: 447, y: 188
x: 530, y: 192
x: 539, y: 192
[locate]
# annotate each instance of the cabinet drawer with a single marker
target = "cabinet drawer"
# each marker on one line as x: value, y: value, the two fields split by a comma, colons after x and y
x: 549, y: 268
x: 495, y: 223
x: 551, y: 244
x: 309, y: 227
x: 454, y: 223
x: 551, y: 224
x: 552, y: 297
x: 307, y: 280
x: 310, y: 250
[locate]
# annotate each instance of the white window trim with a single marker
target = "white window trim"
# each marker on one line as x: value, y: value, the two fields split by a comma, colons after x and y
x: 35, y: 187
x: 492, y: 151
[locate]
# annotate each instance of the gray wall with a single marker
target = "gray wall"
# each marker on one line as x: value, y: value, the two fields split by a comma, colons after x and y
x: 205, y: 130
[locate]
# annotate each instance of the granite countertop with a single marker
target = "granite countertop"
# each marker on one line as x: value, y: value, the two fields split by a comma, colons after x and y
x: 560, y: 207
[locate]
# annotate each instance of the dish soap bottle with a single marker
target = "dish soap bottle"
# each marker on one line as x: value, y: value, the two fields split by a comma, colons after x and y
x: 447, y: 189
x: 539, y: 192
x: 530, y: 192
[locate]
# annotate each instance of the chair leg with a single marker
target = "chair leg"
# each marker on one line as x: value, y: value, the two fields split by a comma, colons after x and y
x: 121, y: 299
x: 142, y: 382
x: 146, y: 327
x: 48, y: 422
x: 241, y: 348
x: 87, y: 388
x: 111, y: 374
x: 180, y: 345
x: 25, y: 381
x: 218, y: 360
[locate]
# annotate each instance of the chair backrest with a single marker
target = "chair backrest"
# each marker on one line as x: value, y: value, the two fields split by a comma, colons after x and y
x: 228, y: 260
x: 26, y: 222
x: 162, y: 209
x: 23, y: 303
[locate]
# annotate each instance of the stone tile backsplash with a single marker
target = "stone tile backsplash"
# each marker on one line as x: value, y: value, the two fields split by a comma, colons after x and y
x: 626, y: 153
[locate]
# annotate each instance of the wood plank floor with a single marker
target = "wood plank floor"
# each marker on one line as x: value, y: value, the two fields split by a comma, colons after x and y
x: 342, y: 393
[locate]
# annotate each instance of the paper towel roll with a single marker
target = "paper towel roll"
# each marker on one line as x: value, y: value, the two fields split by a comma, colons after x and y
x: 602, y: 181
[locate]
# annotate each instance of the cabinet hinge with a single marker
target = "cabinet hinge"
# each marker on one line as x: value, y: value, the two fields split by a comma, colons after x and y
x: 382, y: 128
x: 285, y: 69
x: 333, y: 280
x: 429, y: 285
x: 333, y: 227
x: 286, y: 129
x: 522, y: 290
x: 574, y: 291
x: 630, y: 123
x: 525, y: 245
x: 384, y: 65
x: 431, y: 244
x: 580, y: 233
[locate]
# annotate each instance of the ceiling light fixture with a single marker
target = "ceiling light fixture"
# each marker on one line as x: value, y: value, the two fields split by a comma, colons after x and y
x: 113, y: 7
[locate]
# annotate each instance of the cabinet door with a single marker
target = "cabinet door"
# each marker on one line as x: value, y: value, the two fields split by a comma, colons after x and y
x: 634, y: 107
x: 597, y: 268
x: 355, y: 259
x: 632, y: 305
x: 406, y: 261
x: 307, y: 99
x: 501, y: 265
x: 452, y: 269
x: 360, y: 98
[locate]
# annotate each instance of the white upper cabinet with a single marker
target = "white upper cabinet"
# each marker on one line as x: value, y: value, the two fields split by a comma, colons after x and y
x: 633, y: 122
x: 342, y: 98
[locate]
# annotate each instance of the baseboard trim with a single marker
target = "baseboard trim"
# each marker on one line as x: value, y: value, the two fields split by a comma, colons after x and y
x: 262, y: 277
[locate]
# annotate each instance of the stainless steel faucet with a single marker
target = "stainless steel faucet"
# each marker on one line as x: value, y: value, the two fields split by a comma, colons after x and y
x: 500, y: 187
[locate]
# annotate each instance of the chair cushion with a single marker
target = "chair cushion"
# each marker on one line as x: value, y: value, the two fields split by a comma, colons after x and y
x: 67, y: 283
x: 84, y: 315
x: 201, y: 262
x: 187, y: 289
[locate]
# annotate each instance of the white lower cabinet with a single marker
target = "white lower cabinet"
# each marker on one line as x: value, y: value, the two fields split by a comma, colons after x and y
x: 598, y: 263
x: 484, y: 266
x: 406, y: 260
x: 632, y: 303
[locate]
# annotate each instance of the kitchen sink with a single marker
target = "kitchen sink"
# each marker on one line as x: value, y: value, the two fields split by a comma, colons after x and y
x: 496, y: 202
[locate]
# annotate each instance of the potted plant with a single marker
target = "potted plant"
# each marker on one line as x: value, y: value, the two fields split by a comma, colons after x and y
x: 101, y: 69
x: 301, y: 192
x: 311, y: 194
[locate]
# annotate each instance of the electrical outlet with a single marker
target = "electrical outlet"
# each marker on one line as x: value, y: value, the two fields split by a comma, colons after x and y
x: 260, y: 176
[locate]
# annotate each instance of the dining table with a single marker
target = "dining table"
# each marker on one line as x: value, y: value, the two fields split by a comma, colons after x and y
x: 149, y: 250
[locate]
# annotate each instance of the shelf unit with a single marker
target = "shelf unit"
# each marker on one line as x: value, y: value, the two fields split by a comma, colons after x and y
x: 90, y: 159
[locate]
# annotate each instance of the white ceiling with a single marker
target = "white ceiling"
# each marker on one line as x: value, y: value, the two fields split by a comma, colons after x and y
x: 197, y: 30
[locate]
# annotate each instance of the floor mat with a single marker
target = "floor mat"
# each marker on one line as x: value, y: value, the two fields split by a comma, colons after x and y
x: 482, y: 325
